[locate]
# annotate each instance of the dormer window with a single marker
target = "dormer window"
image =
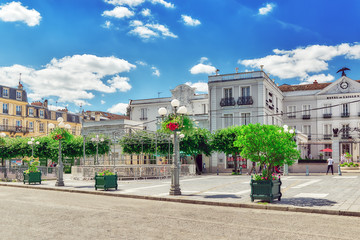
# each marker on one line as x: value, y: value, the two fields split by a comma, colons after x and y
x: 5, y: 92
x: 31, y: 112
x: 18, y: 95
x: 41, y: 113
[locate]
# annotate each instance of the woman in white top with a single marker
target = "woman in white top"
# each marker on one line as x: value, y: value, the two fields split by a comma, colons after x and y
x: 330, y: 165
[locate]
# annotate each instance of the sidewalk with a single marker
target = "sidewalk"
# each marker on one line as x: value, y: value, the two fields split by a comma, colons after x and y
x: 327, y: 194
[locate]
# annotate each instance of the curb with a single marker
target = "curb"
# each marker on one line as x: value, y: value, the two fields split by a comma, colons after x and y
x: 200, y: 202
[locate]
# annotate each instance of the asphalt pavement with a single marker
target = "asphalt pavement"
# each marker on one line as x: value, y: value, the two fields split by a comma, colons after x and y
x: 320, y: 193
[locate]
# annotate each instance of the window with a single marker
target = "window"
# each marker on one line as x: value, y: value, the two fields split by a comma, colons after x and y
x: 31, y: 112
x: 245, y: 118
x: 327, y: 131
x: 31, y: 126
x: 41, y: 113
x: 245, y: 91
x: 345, y: 110
x: 18, y: 110
x: 327, y: 108
x: 18, y: 95
x: 204, y: 108
x: 228, y: 120
x: 5, y: 123
x: 307, y: 130
x: 5, y: 92
x: 306, y: 109
x: 143, y: 114
x: 73, y: 118
x: 346, y: 131
x: 5, y: 108
x: 228, y: 92
x: 291, y: 111
x: 18, y: 125
x: 41, y: 127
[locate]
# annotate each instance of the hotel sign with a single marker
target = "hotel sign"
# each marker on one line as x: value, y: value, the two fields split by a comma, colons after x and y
x: 343, y: 97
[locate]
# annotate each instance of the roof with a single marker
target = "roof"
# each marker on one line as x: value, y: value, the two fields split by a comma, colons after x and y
x: 305, y: 87
x: 108, y: 115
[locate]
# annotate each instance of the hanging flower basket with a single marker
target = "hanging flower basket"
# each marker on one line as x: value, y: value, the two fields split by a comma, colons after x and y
x: 60, y: 134
x: 176, y: 123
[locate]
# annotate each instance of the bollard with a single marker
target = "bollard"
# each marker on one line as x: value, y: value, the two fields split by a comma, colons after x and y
x: 339, y: 170
x: 307, y: 170
x: 217, y: 171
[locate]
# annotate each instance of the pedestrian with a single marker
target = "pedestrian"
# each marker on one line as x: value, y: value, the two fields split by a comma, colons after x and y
x: 253, y: 169
x: 330, y: 165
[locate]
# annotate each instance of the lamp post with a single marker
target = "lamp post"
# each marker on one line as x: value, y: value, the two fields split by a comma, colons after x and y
x: 97, y: 140
x: 60, y: 174
x: 31, y: 142
x: 175, y: 171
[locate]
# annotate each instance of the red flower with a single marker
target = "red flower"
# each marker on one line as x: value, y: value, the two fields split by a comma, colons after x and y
x: 172, y: 126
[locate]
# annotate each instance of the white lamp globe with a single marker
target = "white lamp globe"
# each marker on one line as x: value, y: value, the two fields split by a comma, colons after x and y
x: 37, y: 142
x: 60, y: 119
x: 162, y: 111
x: 29, y: 142
x: 67, y: 126
x: 182, y: 110
x: 62, y: 124
x: 2, y: 134
x: 51, y: 125
x: 182, y: 135
x: 175, y: 103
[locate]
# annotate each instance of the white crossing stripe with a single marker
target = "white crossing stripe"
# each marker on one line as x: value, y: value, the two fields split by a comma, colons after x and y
x: 346, y: 177
x: 311, y: 195
x: 307, y: 183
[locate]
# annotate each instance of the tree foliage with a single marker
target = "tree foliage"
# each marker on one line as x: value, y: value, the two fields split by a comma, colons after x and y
x: 267, y: 144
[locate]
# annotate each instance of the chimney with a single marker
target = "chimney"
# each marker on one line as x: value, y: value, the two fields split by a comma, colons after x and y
x: 46, y: 103
x: 315, y: 82
x: 97, y: 117
x: 236, y: 69
x: 261, y: 67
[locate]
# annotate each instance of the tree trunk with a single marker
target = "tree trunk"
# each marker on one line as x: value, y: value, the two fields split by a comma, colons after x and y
x: 196, y: 165
x: 235, y: 162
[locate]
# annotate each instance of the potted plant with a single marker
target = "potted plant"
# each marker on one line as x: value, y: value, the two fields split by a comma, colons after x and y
x: 271, y: 146
x: 32, y: 174
x: 348, y: 156
x: 105, y: 180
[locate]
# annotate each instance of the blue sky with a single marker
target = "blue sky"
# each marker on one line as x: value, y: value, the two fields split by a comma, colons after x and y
x: 101, y: 53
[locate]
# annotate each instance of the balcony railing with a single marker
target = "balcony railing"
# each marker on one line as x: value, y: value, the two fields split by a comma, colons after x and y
x: 345, y: 136
x: 18, y: 113
x: 143, y: 118
x: 6, y: 111
x: 306, y: 116
x: 227, y: 102
x: 345, y: 114
x: 327, y: 136
x: 327, y: 115
x: 6, y: 128
x: 245, y: 100
x: 309, y: 137
x: 292, y: 116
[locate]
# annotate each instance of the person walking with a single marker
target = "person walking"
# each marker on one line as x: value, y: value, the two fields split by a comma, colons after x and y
x: 253, y: 168
x: 330, y: 165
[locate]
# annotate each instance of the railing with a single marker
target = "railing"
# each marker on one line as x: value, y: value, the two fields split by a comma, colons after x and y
x: 245, y: 100
x: 306, y: 116
x: 18, y: 113
x: 16, y: 172
x: 7, y: 128
x: 345, y: 136
x: 237, y: 76
x: 227, y: 102
x: 291, y: 116
x: 143, y: 118
x: 345, y: 114
x: 6, y: 111
x: 132, y: 171
x: 327, y: 115
x: 327, y: 136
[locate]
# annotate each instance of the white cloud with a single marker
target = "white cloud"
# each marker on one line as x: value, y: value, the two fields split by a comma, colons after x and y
x: 303, y: 61
x: 203, y: 68
x: 102, y: 102
x: 201, y: 87
x: 148, y: 30
x: 15, y: 12
x: 190, y: 21
x: 119, y: 12
x: 142, y: 63
x: 120, y: 83
x: 107, y: 24
x: 146, y: 12
x: 156, y: 71
x: 119, y: 108
x: 320, y: 78
x: 130, y: 3
x: 164, y: 3
x: 267, y: 9
x: 71, y: 78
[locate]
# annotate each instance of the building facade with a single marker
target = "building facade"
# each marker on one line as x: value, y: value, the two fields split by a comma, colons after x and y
x: 18, y: 118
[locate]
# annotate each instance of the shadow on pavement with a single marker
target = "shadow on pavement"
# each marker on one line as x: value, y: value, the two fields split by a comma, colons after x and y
x: 222, y: 196
x: 306, y: 202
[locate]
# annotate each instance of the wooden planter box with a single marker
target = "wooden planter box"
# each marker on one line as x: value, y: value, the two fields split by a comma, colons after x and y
x: 106, y: 182
x: 33, y: 177
x: 267, y: 190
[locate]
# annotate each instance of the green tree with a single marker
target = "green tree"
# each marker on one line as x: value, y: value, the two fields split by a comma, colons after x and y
x: 223, y: 141
x: 267, y: 144
x: 195, y: 142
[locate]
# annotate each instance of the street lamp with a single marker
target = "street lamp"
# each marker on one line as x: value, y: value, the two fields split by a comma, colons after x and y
x: 175, y: 171
x: 31, y: 142
x: 97, y: 140
x: 60, y: 178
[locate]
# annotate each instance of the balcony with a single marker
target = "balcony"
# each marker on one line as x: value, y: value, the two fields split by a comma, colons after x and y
x: 6, y: 111
x: 306, y: 116
x: 292, y: 116
x: 18, y: 113
x: 345, y: 136
x: 327, y: 136
x: 143, y: 118
x: 327, y: 115
x: 309, y: 137
x: 345, y: 114
x: 14, y: 129
x: 227, y: 102
x: 245, y: 100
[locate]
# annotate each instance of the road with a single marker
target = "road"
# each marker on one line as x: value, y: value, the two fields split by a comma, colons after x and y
x: 41, y: 214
